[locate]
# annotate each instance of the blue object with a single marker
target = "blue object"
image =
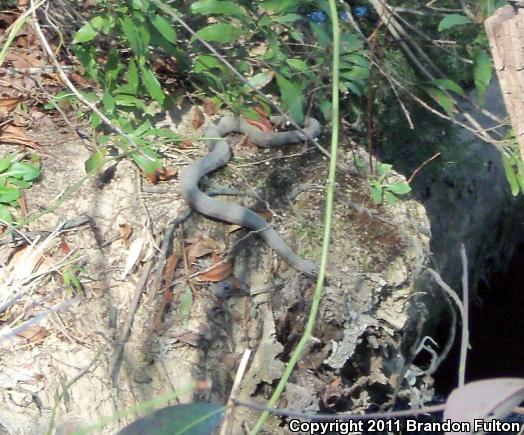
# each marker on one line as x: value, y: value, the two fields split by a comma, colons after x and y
x: 344, y: 16
x: 317, y: 16
x: 360, y: 11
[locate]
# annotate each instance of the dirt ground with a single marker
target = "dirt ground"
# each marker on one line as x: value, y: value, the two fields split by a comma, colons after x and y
x: 125, y: 338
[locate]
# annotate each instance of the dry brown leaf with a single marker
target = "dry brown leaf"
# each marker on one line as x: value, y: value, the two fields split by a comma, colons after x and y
x: 153, y: 178
x: 166, y: 173
x: 210, y: 108
x: 64, y: 247
x: 186, y: 144
x: 218, y: 272
x: 260, y: 110
x: 125, y: 233
x: 8, y: 19
x: 198, y: 118
x: 24, y: 262
x: 9, y: 103
x: 262, y: 124
x: 34, y: 334
x: 15, y: 135
x: 202, y: 246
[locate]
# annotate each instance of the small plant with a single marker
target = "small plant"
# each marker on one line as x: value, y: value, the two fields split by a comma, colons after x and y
x: 15, y: 176
x: 381, y: 190
x: 70, y: 276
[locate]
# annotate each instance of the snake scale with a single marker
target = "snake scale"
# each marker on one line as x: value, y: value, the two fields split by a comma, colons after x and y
x: 219, y: 155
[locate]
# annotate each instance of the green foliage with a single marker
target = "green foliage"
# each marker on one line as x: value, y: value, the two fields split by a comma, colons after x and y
x: 514, y: 167
x: 71, y: 277
x: 191, y: 418
x: 453, y: 20
x: 382, y: 190
x: 15, y: 176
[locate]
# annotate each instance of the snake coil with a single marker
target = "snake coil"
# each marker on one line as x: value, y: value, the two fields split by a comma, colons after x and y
x: 219, y: 156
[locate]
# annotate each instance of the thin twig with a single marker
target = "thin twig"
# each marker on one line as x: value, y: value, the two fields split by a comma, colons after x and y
x: 464, y: 344
x: 416, y: 171
x: 235, y: 389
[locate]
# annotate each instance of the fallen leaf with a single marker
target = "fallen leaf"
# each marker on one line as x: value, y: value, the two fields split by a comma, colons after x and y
x: 125, y: 233
x: 210, y: 108
x: 186, y: 144
x: 483, y: 400
x: 153, y: 178
x: 198, y: 118
x: 166, y: 173
x: 133, y: 255
x: 34, y: 334
x: 260, y: 110
x: 262, y: 124
x: 64, y: 247
x: 9, y: 103
x: 201, y: 247
x: 12, y: 134
x: 217, y: 272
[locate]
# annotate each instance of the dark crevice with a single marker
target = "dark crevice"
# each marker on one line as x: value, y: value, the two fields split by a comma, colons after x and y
x: 496, y: 330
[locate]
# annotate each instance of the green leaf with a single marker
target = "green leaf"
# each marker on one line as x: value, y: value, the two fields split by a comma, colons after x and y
x: 136, y: 34
x: 147, y: 160
x: 443, y: 100
x: 9, y: 194
x: 356, y: 73
x: 298, y: 64
x: 129, y: 101
x: 209, y: 7
x: 453, y: 20
x: 6, y: 162
x: 192, y: 418
x: 389, y: 197
x: 349, y: 43
x: 449, y: 85
x: 165, y: 133
x: 280, y: 6
x: 95, y: 161
x: 259, y: 80
x: 219, y: 32
x: 376, y: 192
x: 5, y: 214
x: 89, y: 30
x: 383, y: 169
x: 398, y: 188
x: 288, y: 18
x: 23, y: 170
x: 249, y: 113
x: 206, y: 62
x: 510, y: 175
x: 164, y: 27
x: 325, y: 108
x: 292, y: 97
x: 152, y: 84
x: 482, y: 72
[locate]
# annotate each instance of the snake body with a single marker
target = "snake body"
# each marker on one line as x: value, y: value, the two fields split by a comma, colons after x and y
x: 219, y: 156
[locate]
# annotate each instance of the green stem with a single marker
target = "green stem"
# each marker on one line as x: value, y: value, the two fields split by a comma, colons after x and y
x: 327, y: 227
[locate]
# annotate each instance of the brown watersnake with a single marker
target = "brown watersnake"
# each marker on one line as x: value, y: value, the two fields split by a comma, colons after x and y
x: 219, y: 155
